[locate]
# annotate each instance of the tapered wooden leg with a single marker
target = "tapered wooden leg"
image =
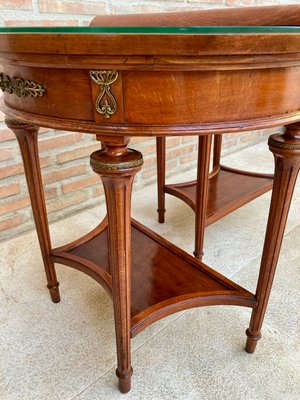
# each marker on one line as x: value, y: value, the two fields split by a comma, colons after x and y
x: 117, y: 166
x: 27, y: 138
x: 161, y: 177
x: 286, y: 150
x: 217, y: 152
x: 204, y: 148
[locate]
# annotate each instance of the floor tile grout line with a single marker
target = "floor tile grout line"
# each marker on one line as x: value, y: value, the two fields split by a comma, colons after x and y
x: 259, y: 256
x: 133, y: 352
x: 268, y: 323
x: 112, y: 368
x: 92, y: 383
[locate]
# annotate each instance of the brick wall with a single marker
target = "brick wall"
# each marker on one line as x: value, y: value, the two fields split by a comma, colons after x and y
x: 70, y: 185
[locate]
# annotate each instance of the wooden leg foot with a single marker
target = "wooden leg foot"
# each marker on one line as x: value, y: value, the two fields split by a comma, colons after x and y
x: 54, y: 292
x: 161, y: 177
x: 251, y: 342
x: 161, y: 215
x: 124, y: 381
x: 286, y: 150
x: 198, y: 255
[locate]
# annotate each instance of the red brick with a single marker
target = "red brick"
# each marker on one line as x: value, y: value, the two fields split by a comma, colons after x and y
x: 11, y: 170
x: 145, y: 8
x: 189, y: 158
x: 138, y: 140
x: 171, y: 142
x: 59, y: 141
x: 64, y: 173
x: 180, y: 150
x: 77, y: 153
x: 81, y: 184
x: 250, y: 136
x: 229, y: 143
x: 45, y: 161
x: 149, y: 173
x: 151, y: 148
x: 42, y: 22
x: 68, y: 201
x: 72, y: 7
x: 171, y: 164
x: 98, y: 191
x: 43, y: 130
x: 6, y: 134
x: 17, y: 169
x: 11, y: 222
x: 220, y: 2
x: 119, y: 9
x: 240, y: 2
x: 5, y: 154
x: 182, y: 8
x: 186, y: 139
x: 50, y: 192
x: 16, y: 4
x: 14, y: 205
x: 9, y: 190
x: 231, y: 135
x: 150, y: 161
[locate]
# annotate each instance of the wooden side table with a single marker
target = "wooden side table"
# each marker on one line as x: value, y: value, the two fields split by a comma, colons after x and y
x: 226, y: 189
x: 122, y: 82
x: 211, y: 196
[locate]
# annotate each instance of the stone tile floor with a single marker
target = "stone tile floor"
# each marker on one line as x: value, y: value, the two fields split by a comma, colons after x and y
x: 67, y: 350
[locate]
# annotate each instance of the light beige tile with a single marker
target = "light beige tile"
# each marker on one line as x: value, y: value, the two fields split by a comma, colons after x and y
x: 73, y: 227
x: 201, y: 356
x: 59, y: 348
x: 256, y: 158
x: 283, y: 311
x: 227, y: 250
x: 11, y: 249
x: 67, y: 350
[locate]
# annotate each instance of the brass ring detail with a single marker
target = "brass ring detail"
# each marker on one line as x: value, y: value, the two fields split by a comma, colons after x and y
x: 286, y: 146
x: 116, y: 166
x: 12, y: 121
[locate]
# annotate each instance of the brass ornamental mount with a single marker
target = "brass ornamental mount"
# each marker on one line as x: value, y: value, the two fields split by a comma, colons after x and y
x: 282, y: 145
x: 20, y: 87
x: 104, y: 166
x: 106, y: 103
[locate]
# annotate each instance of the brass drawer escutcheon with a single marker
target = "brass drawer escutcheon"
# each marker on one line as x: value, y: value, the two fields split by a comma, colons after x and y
x: 106, y: 103
x: 20, y: 87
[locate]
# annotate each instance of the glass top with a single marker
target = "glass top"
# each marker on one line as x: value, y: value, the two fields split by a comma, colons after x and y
x: 155, y: 29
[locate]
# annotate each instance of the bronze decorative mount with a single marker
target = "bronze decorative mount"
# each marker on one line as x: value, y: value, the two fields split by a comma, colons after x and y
x: 20, y: 87
x: 106, y: 103
x: 130, y: 159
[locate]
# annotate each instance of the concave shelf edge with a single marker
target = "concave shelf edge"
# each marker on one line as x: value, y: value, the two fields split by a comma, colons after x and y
x: 180, y: 303
x: 63, y: 256
x: 227, y: 293
x: 186, y: 191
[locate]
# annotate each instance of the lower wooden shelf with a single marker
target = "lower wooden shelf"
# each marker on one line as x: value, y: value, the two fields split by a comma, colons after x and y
x: 228, y: 190
x: 165, y: 279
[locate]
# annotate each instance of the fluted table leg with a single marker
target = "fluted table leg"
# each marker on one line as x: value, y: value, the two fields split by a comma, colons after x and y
x: 286, y: 150
x: 217, y: 152
x: 204, y: 148
x: 161, y: 177
x: 117, y: 166
x: 27, y: 138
